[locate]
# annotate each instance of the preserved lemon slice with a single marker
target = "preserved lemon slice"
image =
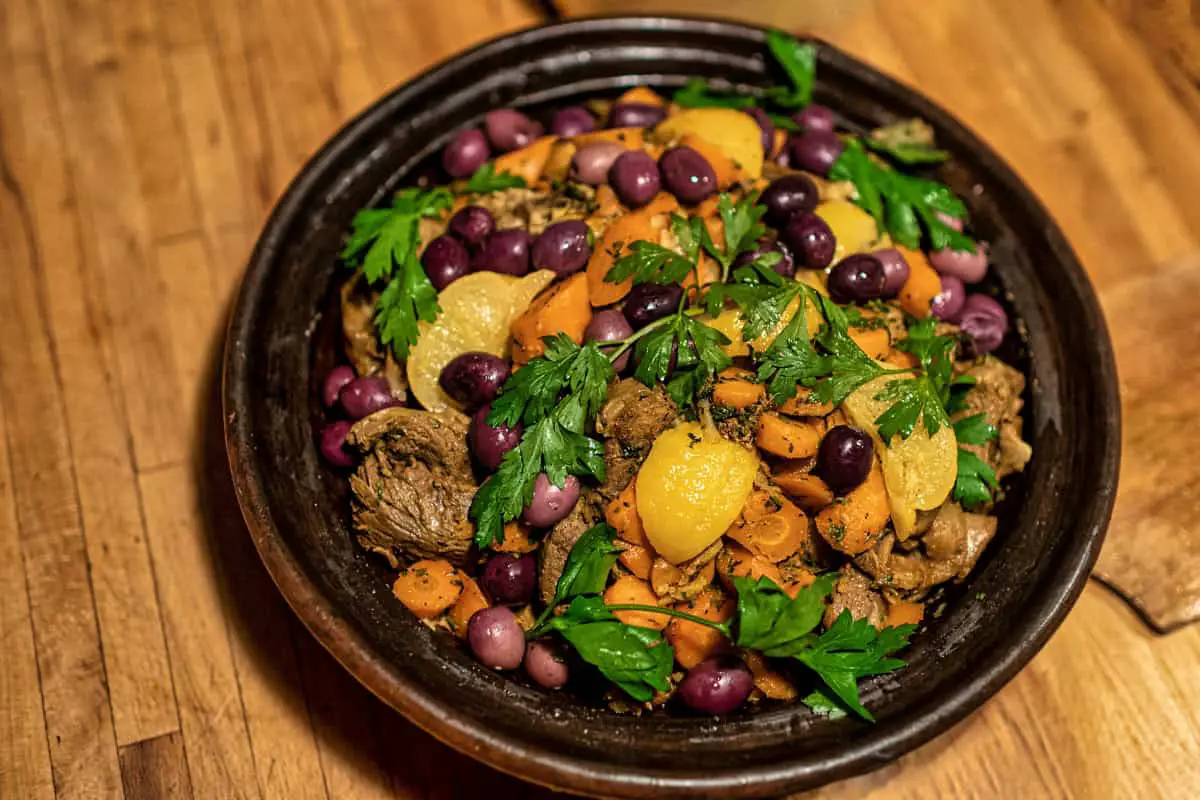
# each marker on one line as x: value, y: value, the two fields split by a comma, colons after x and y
x: 691, y: 488
x: 733, y: 132
x: 477, y: 310
x: 854, y: 230
x: 919, y: 471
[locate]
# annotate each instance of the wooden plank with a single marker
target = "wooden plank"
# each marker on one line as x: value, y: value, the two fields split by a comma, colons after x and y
x: 24, y: 752
x: 156, y: 769
x: 206, y: 687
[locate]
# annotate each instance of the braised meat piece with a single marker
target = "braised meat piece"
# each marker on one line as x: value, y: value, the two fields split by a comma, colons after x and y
x: 855, y: 593
x: 947, y: 551
x: 562, y: 537
x: 630, y: 420
x: 997, y: 395
x: 414, y: 485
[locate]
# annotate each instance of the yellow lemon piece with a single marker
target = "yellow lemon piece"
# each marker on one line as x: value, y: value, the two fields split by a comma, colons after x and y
x: 477, y: 310
x: 919, y: 471
x: 691, y: 488
x: 733, y: 132
x: 854, y: 230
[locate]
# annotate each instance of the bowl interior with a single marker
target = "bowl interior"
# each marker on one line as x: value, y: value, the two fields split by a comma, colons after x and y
x: 282, y: 339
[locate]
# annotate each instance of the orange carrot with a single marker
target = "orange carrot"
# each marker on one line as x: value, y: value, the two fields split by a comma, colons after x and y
x: 663, y: 203
x: 787, y: 438
x: 693, y: 642
x: 875, y: 342
x: 471, y: 600
x: 736, y: 561
x: 643, y: 95
x: 664, y: 575
x: 561, y: 308
x: 922, y: 286
x: 634, y: 591
x: 726, y: 171
x: 901, y: 359
x: 516, y: 539
x: 800, y: 405
x: 631, y: 138
x: 771, y: 683
x: 559, y: 162
x: 613, y: 245
x: 529, y: 161
x: 622, y: 514
x: 637, y: 560
x: 810, y: 492
x: 905, y: 613
x: 778, y: 142
x: 855, y: 524
x: 776, y: 536
x: 735, y: 389
x: 428, y: 587
x: 710, y: 272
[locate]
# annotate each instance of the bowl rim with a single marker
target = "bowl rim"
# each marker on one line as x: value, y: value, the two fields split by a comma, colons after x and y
x: 540, y: 765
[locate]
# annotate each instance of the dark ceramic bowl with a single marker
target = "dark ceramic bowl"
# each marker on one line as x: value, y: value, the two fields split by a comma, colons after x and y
x: 281, y: 340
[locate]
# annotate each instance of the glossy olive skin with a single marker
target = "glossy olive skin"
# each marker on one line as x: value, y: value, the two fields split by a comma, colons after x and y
x: 506, y: 252
x: 766, y: 128
x: 985, y: 321
x: 362, y: 397
x: 785, y: 266
x: 610, y: 325
x: 333, y: 444
x: 815, y: 118
x: 948, y: 304
x: 810, y: 239
x: 545, y: 664
x: 467, y: 152
x: 445, y: 260
x: 844, y: 457
x: 717, y: 685
x: 471, y: 225
x: 489, y: 443
x: 495, y: 638
x: 634, y: 177
x: 856, y: 279
x: 551, y: 503
x: 635, y: 115
x: 687, y: 175
x: 815, y: 151
x: 650, y: 302
x: 334, y: 382
x: 474, y: 378
x: 592, y: 162
x: 787, y: 195
x: 563, y: 248
x: 509, y: 129
x: 509, y: 579
x: 895, y: 270
x: 572, y: 121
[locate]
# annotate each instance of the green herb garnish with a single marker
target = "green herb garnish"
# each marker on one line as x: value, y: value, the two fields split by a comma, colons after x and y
x: 976, y: 479
x: 487, y: 180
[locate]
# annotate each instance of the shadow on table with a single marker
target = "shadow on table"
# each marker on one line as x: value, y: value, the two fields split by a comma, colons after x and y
x: 366, y: 748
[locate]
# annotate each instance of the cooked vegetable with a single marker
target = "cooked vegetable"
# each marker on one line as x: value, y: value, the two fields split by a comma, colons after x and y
x: 630, y: 590
x: 486, y: 180
x: 510, y: 580
x: 622, y: 514
x: 787, y: 438
x: 853, y: 229
x: 472, y: 379
x: 629, y: 138
x: 613, y: 245
x: 561, y: 309
x: 808, y: 490
x: 496, y: 639
x: 362, y: 397
x: 642, y: 95
x: 693, y: 642
x: 528, y: 162
x: 637, y: 560
x: 845, y: 457
x: 775, y: 536
x: 471, y: 600
x: 691, y: 488
x: 717, y: 685
x: 855, y: 524
x: 922, y: 286
x: 428, y: 587
x: 734, y: 135
x: 736, y: 561
x: 737, y: 392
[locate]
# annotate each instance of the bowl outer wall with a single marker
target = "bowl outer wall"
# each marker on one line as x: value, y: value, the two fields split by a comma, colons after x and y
x: 295, y: 509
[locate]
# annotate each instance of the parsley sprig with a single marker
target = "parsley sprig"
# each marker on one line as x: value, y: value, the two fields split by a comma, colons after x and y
x: 390, y: 238
x: 976, y: 479
x: 650, y: 262
x: 767, y: 620
x: 797, y: 59
x: 683, y: 353
x: 742, y: 230
x: 487, y: 180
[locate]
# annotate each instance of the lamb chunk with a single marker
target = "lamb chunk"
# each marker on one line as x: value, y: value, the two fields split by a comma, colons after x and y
x: 562, y: 537
x: 855, y: 593
x: 997, y: 395
x: 630, y: 420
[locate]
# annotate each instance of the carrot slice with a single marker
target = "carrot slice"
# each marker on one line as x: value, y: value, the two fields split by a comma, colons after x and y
x: 471, y: 600
x: 638, y: 560
x: 787, y: 438
x: 922, y: 286
x: 529, y: 161
x: 613, y: 245
x: 622, y: 514
x: 693, y: 642
x: 631, y: 590
x: 726, y: 171
x: 561, y: 308
x: 810, y: 492
x: 428, y: 587
x: 643, y: 95
x: 631, y: 138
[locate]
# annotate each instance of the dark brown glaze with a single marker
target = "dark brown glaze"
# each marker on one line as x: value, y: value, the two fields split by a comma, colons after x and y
x: 281, y: 340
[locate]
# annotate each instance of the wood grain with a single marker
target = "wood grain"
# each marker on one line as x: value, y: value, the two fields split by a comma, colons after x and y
x: 145, y: 651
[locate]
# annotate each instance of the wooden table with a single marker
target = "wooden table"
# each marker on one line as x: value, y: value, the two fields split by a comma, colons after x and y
x: 144, y: 651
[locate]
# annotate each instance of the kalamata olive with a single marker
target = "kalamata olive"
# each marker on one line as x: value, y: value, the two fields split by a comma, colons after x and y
x: 787, y: 195
x: 844, y: 457
x: 572, y: 121
x: 634, y: 177
x: 810, y: 239
x: 609, y: 325
x: 815, y: 151
x: 509, y: 129
x: 472, y: 225
x: 649, y: 302
x: 948, y: 303
x: 467, y: 152
x: 894, y: 267
x: 785, y: 266
x: 334, y: 382
x: 985, y: 321
x: 971, y: 266
x: 473, y: 378
x: 509, y: 579
x: 953, y: 222
x: 489, y: 443
x: 717, y: 685
x: 333, y: 444
x: 635, y: 115
x: 591, y: 163
x: 504, y: 251
x: 766, y: 128
x: 856, y: 279
x: 562, y: 247
x: 445, y: 260
x: 545, y: 664
x: 550, y: 503
x: 362, y: 397
x: 687, y: 175
x: 496, y: 638
x: 815, y: 118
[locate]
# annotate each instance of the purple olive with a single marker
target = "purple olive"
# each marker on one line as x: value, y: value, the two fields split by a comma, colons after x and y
x: 509, y: 129
x: 717, y: 685
x: 591, y: 163
x: 948, y: 303
x: 985, y: 321
x: 650, y: 302
x: 609, y: 325
x: 815, y: 151
x: 971, y: 266
x: 550, y: 503
x: 844, y: 457
x: 635, y: 115
x: 362, y: 397
x: 333, y: 444
x: 895, y: 268
x: 473, y: 378
x: 766, y: 128
x: 334, y: 382
x: 687, y: 175
x: 506, y: 252
x: 815, y: 118
x: 572, y: 121
x: 467, y: 152
x: 785, y: 266
x: 562, y: 248
x: 857, y: 279
x: 445, y: 260
x: 496, y: 638
x: 509, y: 579
x: 545, y: 664
x: 472, y: 225
x: 634, y: 177
x: 810, y: 239
x: 786, y: 196
x: 489, y: 443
